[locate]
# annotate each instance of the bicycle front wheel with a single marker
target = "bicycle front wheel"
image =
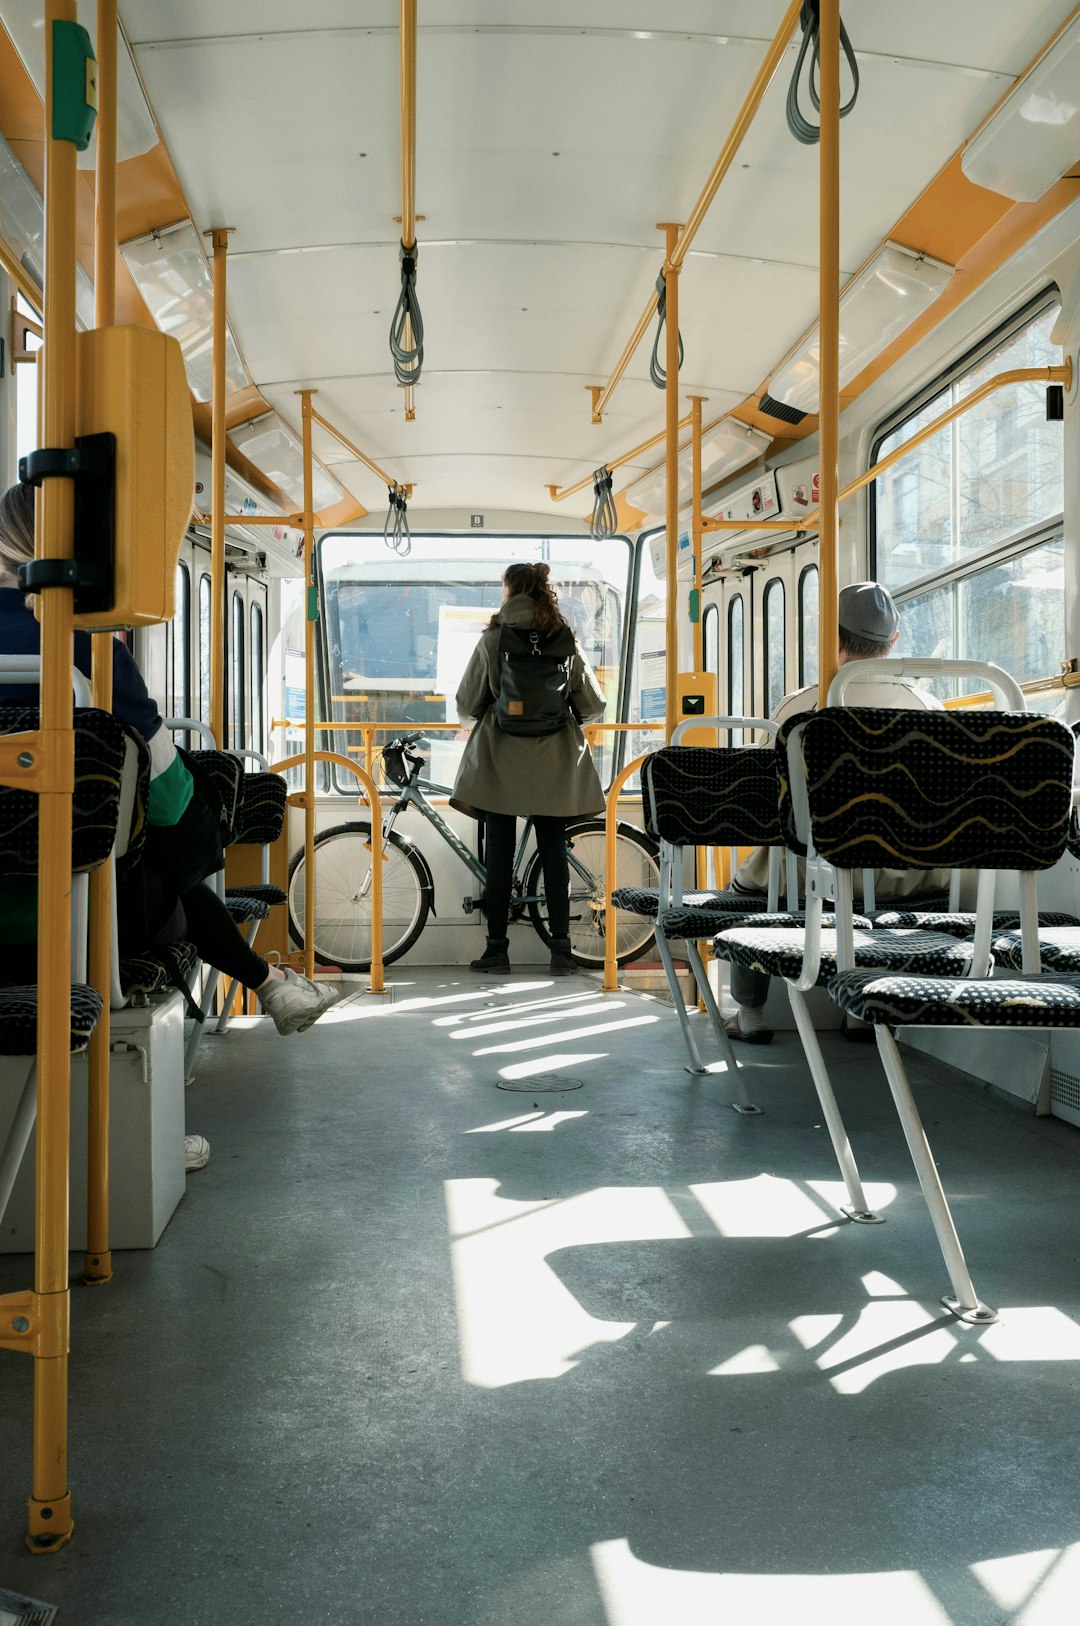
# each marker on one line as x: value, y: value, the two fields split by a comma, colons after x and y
x: 343, y: 897
x: 636, y: 864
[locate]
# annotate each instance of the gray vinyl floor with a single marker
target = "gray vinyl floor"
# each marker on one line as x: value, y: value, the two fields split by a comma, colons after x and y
x: 419, y: 1349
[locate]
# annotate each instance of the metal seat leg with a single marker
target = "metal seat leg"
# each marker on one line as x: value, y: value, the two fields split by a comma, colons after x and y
x: 664, y: 947
x: 857, y: 1208
x: 22, y: 1127
x: 701, y: 977
x: 963, y: 1301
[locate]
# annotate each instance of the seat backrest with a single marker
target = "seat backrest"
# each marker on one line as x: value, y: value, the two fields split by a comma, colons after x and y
x: 99, y: 763
x: 711, y: 796
x: 225, y: 773
x: 260, y: 816
x: 984, y: 790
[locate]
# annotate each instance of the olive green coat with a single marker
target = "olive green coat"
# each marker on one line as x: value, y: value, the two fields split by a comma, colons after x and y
x: 547, y: 774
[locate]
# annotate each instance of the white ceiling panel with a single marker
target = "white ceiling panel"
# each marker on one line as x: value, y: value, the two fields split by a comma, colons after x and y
x: 550, y: 142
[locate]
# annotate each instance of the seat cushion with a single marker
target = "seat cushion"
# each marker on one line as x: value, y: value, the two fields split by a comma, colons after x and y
x: 18, y: 1019
x: 999, y: 1002
x: 645, y: 900
x: 244, y: 909
x: 780, y: 952
x: 688, y: 921
x: 157, y: 969
x: 1059, y: 948
x: 961, y: 923
x: 267, y: 893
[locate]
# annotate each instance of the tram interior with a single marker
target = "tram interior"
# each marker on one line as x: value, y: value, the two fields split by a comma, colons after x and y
x: 490, y: 1301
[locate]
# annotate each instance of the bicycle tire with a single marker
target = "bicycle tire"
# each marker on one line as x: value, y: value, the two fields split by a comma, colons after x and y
x: 406, y: 897
x: 636, y: 864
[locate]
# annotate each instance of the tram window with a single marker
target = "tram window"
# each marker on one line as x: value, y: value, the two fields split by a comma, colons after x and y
x: 992, y: 474
x: 179, y: 639
x: 775, y: 664
x: 258, y: 666
x: 204, y: 648
x: 808, y: 626
x: 26, y: 386
x: 736, y: 658
x: 1012, y: 614
x: 236, y: 675
x: 711, y: 638
x: 399, y: 631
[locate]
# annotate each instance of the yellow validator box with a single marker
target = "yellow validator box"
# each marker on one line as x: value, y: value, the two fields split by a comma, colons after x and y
x: 695, y: 696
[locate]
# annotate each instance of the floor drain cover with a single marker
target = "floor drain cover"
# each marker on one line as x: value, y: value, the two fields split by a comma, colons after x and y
x: 539, y: 1083
x: 17, y: 1611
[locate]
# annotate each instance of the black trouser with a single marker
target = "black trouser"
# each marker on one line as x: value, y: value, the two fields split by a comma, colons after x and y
x: 215, y: 934
x: 551, y: 845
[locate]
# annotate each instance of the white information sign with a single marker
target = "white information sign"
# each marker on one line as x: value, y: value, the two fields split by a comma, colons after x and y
x: 460, y: 626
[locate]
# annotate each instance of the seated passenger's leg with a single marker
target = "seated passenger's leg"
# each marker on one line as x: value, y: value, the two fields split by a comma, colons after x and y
x: 749, y: 990
x: 290, y: 1000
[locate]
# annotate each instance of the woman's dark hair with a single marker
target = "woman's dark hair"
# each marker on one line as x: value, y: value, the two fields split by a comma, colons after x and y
x: 16, y: 528
x: 532, y: 580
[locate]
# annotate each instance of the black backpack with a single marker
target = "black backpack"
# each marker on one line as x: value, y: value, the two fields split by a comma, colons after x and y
x: 534, y: 681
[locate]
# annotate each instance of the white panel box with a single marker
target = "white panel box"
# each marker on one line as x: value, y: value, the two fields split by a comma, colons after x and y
x: 146, y: 1133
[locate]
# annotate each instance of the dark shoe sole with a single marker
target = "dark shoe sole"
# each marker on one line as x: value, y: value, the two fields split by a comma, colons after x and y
x: 493, y: 970
x: 760, y: 1036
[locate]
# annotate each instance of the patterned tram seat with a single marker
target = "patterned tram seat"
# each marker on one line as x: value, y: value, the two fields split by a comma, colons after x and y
x: 259, y: 820
x: 99, y: 763
x: 976, y: 790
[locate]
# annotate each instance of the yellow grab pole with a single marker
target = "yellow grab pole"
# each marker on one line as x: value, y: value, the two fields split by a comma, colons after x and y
x: 829, y: 299
x: 408, y: 161
x: 376, y: 850
x: 219, y: 237
x: 97, y: 1261
x: 560, y: 493
x: 671, y: 450
x: 50, y: 1521
x: 408, y: 124
x: 697, y: 624
x: 387, y: 479
x: 311, y: 612
x: 611, y: 828
x: 754, y: 96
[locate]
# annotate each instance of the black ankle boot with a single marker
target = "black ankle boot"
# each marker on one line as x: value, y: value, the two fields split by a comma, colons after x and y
x: 561, y: 962
x: 494, y: 957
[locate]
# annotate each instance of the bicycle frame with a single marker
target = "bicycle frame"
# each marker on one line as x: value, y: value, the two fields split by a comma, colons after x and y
x: 412, y: 795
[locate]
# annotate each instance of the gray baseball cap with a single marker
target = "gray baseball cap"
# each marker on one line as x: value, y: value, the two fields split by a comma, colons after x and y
x: 867, y: 610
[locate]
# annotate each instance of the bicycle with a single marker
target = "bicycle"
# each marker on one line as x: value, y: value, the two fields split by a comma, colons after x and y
x: 343, y: 879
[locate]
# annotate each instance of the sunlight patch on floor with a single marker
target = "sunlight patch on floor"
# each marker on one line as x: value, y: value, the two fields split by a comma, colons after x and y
x: 545, y: 1064
x: 638, y: 1594
x: 574, y: 1033
x: 754, y: 1358
x: 1039, y: 1589
x: 514, y: 1022
x: 769, y: 1206
x: 516, y: 1320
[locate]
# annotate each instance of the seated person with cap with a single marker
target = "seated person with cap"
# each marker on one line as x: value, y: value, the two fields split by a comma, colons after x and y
x: 868, y: 627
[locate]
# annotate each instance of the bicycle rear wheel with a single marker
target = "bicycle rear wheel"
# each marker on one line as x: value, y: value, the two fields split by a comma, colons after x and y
x: 343, y: 897
x: 636, y: 864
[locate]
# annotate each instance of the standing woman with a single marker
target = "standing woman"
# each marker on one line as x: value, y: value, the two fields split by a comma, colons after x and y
x: 526, y: 756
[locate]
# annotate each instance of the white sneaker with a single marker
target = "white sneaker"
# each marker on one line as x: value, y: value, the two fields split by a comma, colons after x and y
x: 295, y: 1004
x: 196, y: 1152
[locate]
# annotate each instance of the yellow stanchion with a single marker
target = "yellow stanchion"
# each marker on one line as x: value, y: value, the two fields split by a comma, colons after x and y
x: 97, y: 1261
x: 219, y: 238
x: 611, y: 826
x: 311, y: 614
x: 50, y: 1520
x: 671, y: 494
x: 829, y: 319
x: 308, y: 757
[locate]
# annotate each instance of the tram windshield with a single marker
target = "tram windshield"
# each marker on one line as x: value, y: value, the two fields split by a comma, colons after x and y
x: 399, y: 631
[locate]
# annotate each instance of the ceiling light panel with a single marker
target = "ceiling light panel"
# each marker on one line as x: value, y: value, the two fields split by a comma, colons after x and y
x: 171, y: 273
x: 876, y: 306
x: 1034, y: 136
x: 279, y: 454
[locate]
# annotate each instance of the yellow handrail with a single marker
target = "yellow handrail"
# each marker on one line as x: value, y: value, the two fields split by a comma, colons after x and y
x: 560, y: 493
x: 97, y: 1259
x: 611, y: 820
x: 375, y: 801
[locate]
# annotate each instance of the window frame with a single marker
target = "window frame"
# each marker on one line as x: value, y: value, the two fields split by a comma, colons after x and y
x: 957, y: 369
x: 803, y: 573
x: 766, y: 644
x: 236, y: 670
x: 180, y: 625
x: 257, y: 674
